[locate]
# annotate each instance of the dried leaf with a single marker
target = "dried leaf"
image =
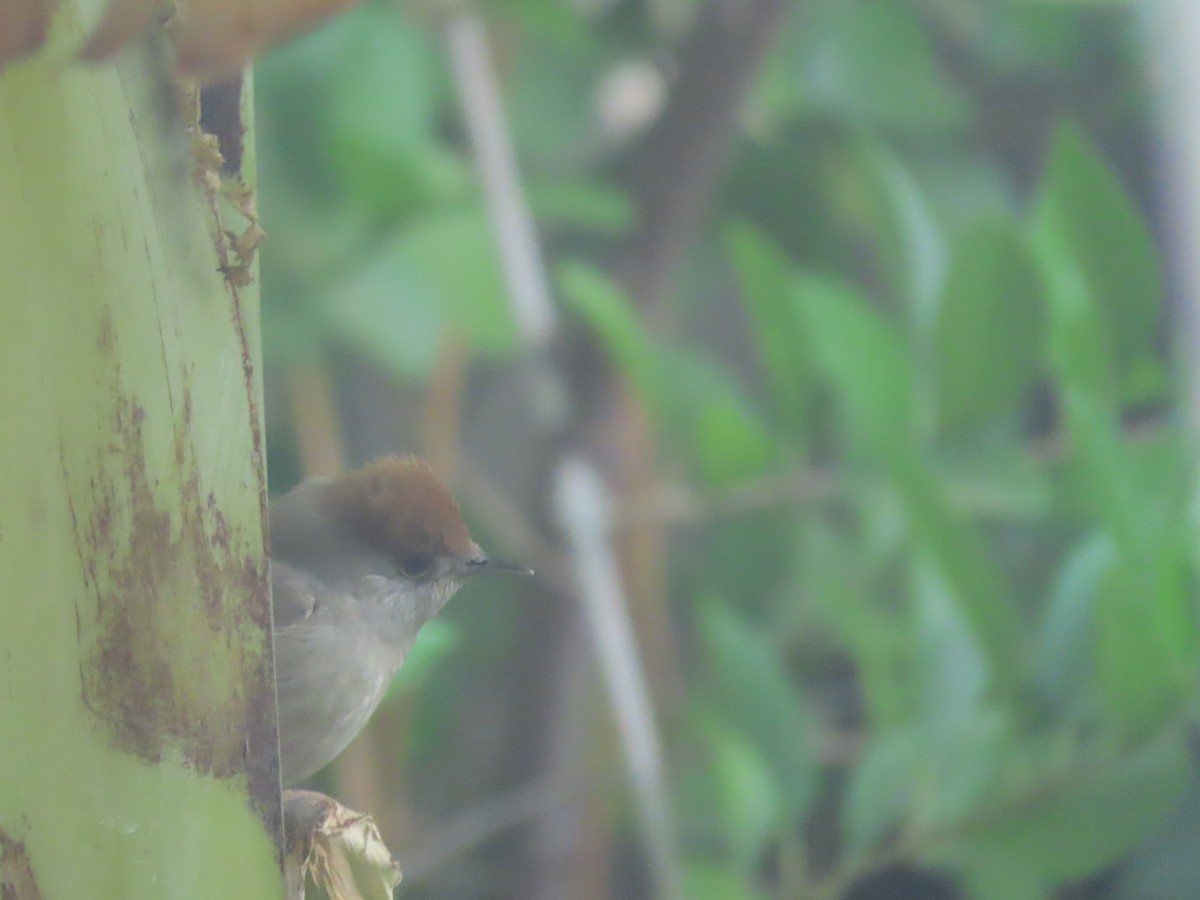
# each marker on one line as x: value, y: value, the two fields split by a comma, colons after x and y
x: 217, y: 37
x: 334, y: 853
x: 213, y: 38
x: 23, y: 25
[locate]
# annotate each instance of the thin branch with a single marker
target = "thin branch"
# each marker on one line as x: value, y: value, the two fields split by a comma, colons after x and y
x: 476, y: 826
x: 672, y: 173
x: 675, y: 504
x: 684, y: 505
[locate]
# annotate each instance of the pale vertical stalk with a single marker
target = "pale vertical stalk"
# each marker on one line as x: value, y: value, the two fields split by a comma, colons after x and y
x: 1174, y: 36
x: 582, y: 504
x: 512, y: 225
x: 581, y: 493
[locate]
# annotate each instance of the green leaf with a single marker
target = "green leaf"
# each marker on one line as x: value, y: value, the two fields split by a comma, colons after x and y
x: 747, y: 796
x: 920, y: 780
x: 1066, y: 635
x: 1103, y: 457
x: 381, y: 115
x: 875, y: 62
x: 976, y: 583
x: 768, y: 291
x: 609, y: 314
x: 730, y: 441
x: 991, y: 880
x: 959, y: 771
x: 1086, y: 220
x: 1103, y: 289
x: 908, y: 238
x: 989, y: 474
x: 550, y: 98
x: 1079, y: 348
x: 455, y: 253
x: 1142, y: 680
x: 838, y: 574
x: 581, y: 204
x: 1084, y: 826
x: 1103, y: 465
x: 436, y: 640
x: 880, y: 790
x: 864, y: 358
x: 366, y: 311
x: 989, y: 327
x: 1145, y: 626
x: 703, y: 411
x: 757, y: 694
x: 704, y: 880
x: 383, y: 89
x: 951, y: 670
x: 1166, y: 865
x: 442, y: 272
x: 871, y: 374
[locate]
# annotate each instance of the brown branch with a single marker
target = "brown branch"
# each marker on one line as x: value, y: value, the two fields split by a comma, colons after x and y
x: 672, y: 172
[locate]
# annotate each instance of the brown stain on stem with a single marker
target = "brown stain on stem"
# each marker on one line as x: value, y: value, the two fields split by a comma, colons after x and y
x: 16, y: 872
x: 146, y: 548
x: 171, y: 583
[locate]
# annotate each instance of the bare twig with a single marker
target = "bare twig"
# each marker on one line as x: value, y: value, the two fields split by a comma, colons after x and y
x: 512, y: 224
x: 680, y: 504
x: 683, y: 504
x: 477, y: 826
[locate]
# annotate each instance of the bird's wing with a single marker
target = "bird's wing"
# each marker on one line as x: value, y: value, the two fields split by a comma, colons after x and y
x: 293, y: 594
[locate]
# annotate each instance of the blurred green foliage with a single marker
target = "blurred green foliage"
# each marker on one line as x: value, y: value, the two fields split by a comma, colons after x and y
x: 937, y: 295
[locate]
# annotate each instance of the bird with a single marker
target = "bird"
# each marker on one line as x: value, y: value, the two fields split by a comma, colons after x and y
x: 359, y: 562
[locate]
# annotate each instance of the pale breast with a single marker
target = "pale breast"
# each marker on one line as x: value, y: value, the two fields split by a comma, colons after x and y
x: 331, y: 677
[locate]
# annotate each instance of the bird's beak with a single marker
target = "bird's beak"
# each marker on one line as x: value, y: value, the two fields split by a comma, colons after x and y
x: 485, y: 565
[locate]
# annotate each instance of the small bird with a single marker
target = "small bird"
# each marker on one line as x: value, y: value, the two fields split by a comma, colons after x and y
x: 359, y: 563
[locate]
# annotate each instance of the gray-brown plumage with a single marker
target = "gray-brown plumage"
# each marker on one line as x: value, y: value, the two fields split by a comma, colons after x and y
x: 359, y: 563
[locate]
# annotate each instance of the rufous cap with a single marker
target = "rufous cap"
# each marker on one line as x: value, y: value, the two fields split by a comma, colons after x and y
x: 398, y: 506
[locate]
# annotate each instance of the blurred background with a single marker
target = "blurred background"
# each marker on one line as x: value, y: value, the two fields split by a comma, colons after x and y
x: 846, y: 391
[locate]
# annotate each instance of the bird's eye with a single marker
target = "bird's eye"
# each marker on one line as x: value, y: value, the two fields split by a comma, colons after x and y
x: 416, y: 566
